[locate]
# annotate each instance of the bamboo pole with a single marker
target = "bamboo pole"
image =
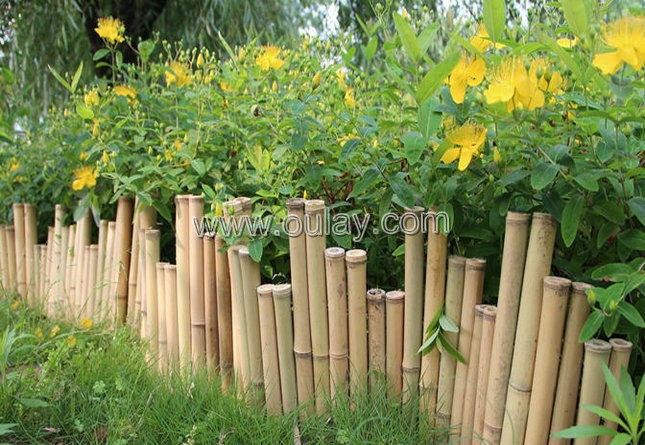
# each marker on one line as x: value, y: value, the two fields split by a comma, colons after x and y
x: 31, y: 239
x: 545, y: 378
x: 56, y: 271
x: 43, y: 277
x: 224, y: 316
x: 566, y: 395
x: 133, y: 272
x: 64, y: 256
x: 448, y: 364
x: 140, y: 298
x: 538, y: 265
x: 196, y: 282
x: 210, y: 304
x: 592, y: 387
x: 241, y: 359
x: 337, y: 310
x: 83, y: 236
x: 182, y: 248
x: 619, y: 359
x: 146, y: 219
x: 474, y: 272
x: 435, y: 287
x: 470, y: 393
x: 412, y: 326
x: 21, y: 257
x: 4, y: 259
x: 162, y: 314
x: 394, y: 316
x: 47, y: 285
x: 172, y: 329
x: 376, y: 336
x: 488, y: 330
x: 508, y: 301
x: 36, y: 296
x: 122, y: 254
x: 69, y: 267
x: 284, y: 334
x: 270, y: 365
x: 315, y: 247
x: 106, y: 304
x: 100, y: 270
x: 250, y: 282
x: 10, y: 234
x: 151, y: 240
x: 357, y: 310
x: 91, y: 284
x: 302, y: 333
x: 85, y: 281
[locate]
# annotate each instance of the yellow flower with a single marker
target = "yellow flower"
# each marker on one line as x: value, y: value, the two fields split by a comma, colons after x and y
x: 316, y: 79
x: 340, y: 76
x: 177, y: 144
x: 512, y: 84
x: 95, y: 128
x: 349, y: 97
x: 218, y: 210
x: 71, y: 341
x: 405, y: 14
x: 305, y: 195
x: 200, y: 60
x: 54, y: 331
x: 497, y: 156
x: 269, y: 58
x: 15, y: 165
x: 110, y: 29
x: 274, y: 87
x: 91, y: 99
x: 85, y: 177
x: 348, y: 137
x: 105, y: 158
x: 125, y: 91
x: 567, y: 43
x: 178, y: 73
x: 83, y: 156
x: 39, y: 333
x: 375, y: 143
x: 627, y: 36
x: 86, y: 323
x: 226, y: 87
x: 549, y: 81
x: 469, y: 71
x: 466, y: 143
x: 481, y: 40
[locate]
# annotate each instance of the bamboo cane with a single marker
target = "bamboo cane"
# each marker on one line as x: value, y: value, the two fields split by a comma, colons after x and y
x: 56, y: 271
x: 270, y: 365
x: 151, y: 240
x: 241, y: 359
x: 284, y: 334
x: 394, y: 316
x: 210, y: 304
x: 140, y: 299
x: 37, y: 276
x: 146, y: 219
x: 357, y: 305
x: 4, y: 259
x: 122, y: 255
x: 224, y: 316
x: 474, y: 272
x: 21, y: 257
x: 508, y: 301
x: 107, y: 312
x: 470, y: 393
x: 251, y: 280
x: 172, y: 328
x: 196, y: 282
x: 132, y: 316
x: 83, y: 236
x: 566, y: 395
x: 488, y: 330
x: 619, y: 359
x: 69, y: 267
x: 337, y: 309
x: 434, y: 302
x: 412, y: 326
x: 64, y: 257
x: 554, y: 308
x: 10, y: 234
x: 47, y: 285
x: 302, y: 333
x: 592, y: 387
x: 182, y: 248
x: 31, y: 239
x: 85, y: 282
x: 538, y: 265
x: 43, y: 277
x: 91, y: 285
x: 162, y: 314
x: 315, y: 248
x: 376, y: 336
x: 448, y: 364
x: 100, y: 269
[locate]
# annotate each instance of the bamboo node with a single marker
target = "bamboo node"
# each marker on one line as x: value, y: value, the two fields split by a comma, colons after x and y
x: 321, y: 357
x: 303, y: 354
x: 338, y: 355
x: 517, y: 388
x: 410, y: 368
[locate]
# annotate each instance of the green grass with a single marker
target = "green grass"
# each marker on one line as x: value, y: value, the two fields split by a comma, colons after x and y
x: 93, y: 386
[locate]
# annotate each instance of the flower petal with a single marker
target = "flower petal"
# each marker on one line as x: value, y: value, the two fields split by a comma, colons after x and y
x: 450, y: 155
x: 499, y: 92
x: 608, y: 63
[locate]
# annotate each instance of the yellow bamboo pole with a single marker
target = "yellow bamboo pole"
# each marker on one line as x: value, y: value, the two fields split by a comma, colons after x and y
x: 182, y: 240
x: 448, y: 364
x: 42, y: 289
x: 241, y: 359
x: 48, y: 304
x: 224, y: 316
x: 210, y: 304
x: 64, y: 257
x: 91, y: 285
x: 196, y: 283
x: 488, y: 330
x: 69, y: 267
x: 470, y: 393
x: 106, y: 302
x: 356, y: 260
x: 538, y: 265
x: 83, y: 235
x: 85, y: 281
x: 56, y: 272
x: 140, y: 299
x: 172, y: 329
x: 151, y: 240
x: 36, y: 297
x: 250, y: 282
x: 162, y: 314
x: 4, y: 259
x: 270, y: 365
x: 284, y: 334
x: 123, y: 236
x: 620, y: 352
x: 21, y: 256
x: 146, y: 219
x: 508, y: 301
x: 394, y: 316
x: 10, y: 234
x: 547, y: 357
x: 100, y: 270
x: 376, y: 336
x: 337, y: 310
x: 31, y: 239
x: 133, y: 270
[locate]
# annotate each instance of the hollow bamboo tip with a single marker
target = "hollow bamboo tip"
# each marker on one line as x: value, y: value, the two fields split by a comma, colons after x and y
x: 94, y: 247
x: 544, y: 218
x: 244, y: 203
x: 489, y: 312
x: 395, y: 296
x: 295, y: 203
x: 597, y: 346
x: 112, y: 225
x: 196, y: 198
x: 580, y: 289
x: 558, y: 284
x: 356, y: 256
x: 376, y: 296
x: 170, y: 267
x: 265, y: 290
x: 334, y: 253
x: 161, y: 266
x: 620, y: 345
x: 479, y: 310
x: 314, y: 206
x: 282, y: 291
x: 219, y: 242
x: 417, y: 210
x: 456, y: 261
x: 17, y: 205
x: 103, y: 224
x: 181, y: 198
x: 123, y: 200
x: 152, y: 234
x: 517, y: 218
x: 475, y: 264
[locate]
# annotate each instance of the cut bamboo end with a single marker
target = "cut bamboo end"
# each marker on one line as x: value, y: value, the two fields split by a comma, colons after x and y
x: 619, y: 359
x: 356, y: 260
x: 376, y: 336
x: 284, y: 336
x: 394, y: 316
x: 172, y: 328
x: 270, y: 364
x: 250, y: 281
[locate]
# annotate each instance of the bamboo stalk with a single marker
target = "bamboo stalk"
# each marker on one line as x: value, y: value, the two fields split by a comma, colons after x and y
x: 270, y: 365
x: 474, y: 272
x: 196, y: 282
x: 140, y: 299
x: 64, y: 256
x: 284, y: 334
x: 133, y: 272
x: 182, y: 248
x: 302, y: 333
x: 91, y: 284
x: 85, y: 311
x: 488, y: 330
x: 470, y: 393
x: 162, y: 314
x: 357, y: 305
x: 435, y: 287
x: 250, y: 282
x: 376, y: 336
x: 10, y: 234
x: 224, y: 316
x: 21, y: 257
x: 56, y: 271
x: 315, y: 247
x: 31, y: 239
x: 566, y: 395
x: 4, y: 259
x: 448, y: 364
x: 69, y: 267
x: 210, y: 304
x: 36, y: 296
x: 100, y: 270
x: 619, y: 359
x: 107, y: 277
x: 146, y: 218
x: 592, y: 387
x: 172, y: 328
x: 122, y: 255
x: 151, y: 240
x: 241, y: 359
x: 48, y: 304
x: 508, y: 301
x: 554, y: 308
x: 394, y: 316
x: 42, y: 297
x: 83, y: 236
x: 337, y: 310
x: 538, y: 265
x: 412, y: 326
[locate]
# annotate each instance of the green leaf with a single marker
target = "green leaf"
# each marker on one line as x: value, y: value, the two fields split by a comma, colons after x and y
x: 199, y: 166
x: 402, y: 190
x: 631, y: 314
x: 614, y: 389
x: 450, y: 349
x: 591, y: 326
x: 634, y: 239
x: 612, y: 211
x: 60, y: 79
x: 612, y: 271
x: 145, y: 49
x: 587, y: 181
x: 367, y: 180
x: 637, y: 206
x: 34, y: 403
x: 543, y: 174
x: 622, y: 438
x: 255, y: 249
x: 399, y: 250
x: 98, y: 55
x: 447, y: 324
x: 77, y: 77
x: 429, y: 120
x: 435, y: 77
x: 428, y: 345
x: 495, y: 18
x: 513, y: 177
x: 604, y: 413
x: 576, y: 16
x: 579, y: 432
x: 435, y: 322
x: 408, y: 37
x: 427, y: 36
x: 414, y: 144
x: 348, y: 149
x: 571, y: 216
x: 84, y: 111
